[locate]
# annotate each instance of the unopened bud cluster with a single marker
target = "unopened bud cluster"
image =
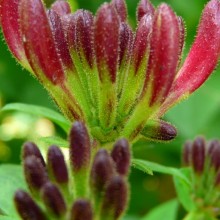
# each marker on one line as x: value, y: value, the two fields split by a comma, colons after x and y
x: 92, y: 186
x: 204, y: 158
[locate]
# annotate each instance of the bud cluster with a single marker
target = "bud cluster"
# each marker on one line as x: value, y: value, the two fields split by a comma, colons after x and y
x: 204, y: 158
x: 92, y: 186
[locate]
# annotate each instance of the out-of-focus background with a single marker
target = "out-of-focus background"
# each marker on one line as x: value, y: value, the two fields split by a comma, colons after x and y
x: 199, y: 115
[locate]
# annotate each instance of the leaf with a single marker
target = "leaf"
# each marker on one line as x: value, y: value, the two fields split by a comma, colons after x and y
x: 11, y: 180
x: 52, y: 115
x: 167, y: 210
x: 184, y: 190
x: 55, y: 140
x: 4, y: 217
x: 148, y: 167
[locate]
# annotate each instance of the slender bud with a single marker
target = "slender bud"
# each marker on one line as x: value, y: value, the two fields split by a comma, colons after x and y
x: 102, y: 170
x: 198, y: 154
x: 122, y: 156
x: 215, y: 156
x: 159, y: 130
x: 61, y: 7
x: 187, y: 153
x: 53, y: 199
x: 35, y: 173
x: 30, y: 149
x: 26, y: 207
x: 115, y: 199
x: 121, y: 9
x: 144, y: 8
x: 80, y: 148
x: 56, y: 165
x: 81, y: 210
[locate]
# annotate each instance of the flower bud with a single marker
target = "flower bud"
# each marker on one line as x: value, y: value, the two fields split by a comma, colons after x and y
x: 198, y: 155
x: 26, y: 207
x: 35, y: 173
x: 31, y: 149
x: 102, y: 170
x: 56, y: 165
x: 80, y: 148
x: 115, y: 198
x: 61, y: 7
x: 81, y: 210
x: 121, y: 9
x: 53, y: 199
x: 215, y: 156
x: 187, y: 153
x: 122, y: 156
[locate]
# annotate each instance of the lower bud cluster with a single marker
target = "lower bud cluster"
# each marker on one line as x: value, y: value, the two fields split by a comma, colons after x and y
x: 204, y: 158
x: 93, y: 186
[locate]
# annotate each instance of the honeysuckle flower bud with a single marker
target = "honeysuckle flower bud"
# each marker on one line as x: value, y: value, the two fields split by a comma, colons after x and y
x: 115, y: 199
x: 26, y: 207
x: 53, y: 200
x: 35, y: 173
x: 121, y: 156
x: 31, y: 149
x: 81, y: 210
x: 99, y: 73
x: 56, y: 165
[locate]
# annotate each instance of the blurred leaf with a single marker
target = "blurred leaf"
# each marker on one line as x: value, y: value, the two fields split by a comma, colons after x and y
x: 167, y: 210
x: 73, y: 5
x: 129, y: 217
x: 41, y: 112
x: 184, y: 190
x: 3, y: 217
x: 11, y: 180
x: 148, y: 167
x: 55, y: 140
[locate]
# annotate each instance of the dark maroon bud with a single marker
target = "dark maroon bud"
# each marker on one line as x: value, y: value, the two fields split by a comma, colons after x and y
x: 35, y: 173
x: 159, y: 130
x: 61, y: 7
x: 81, y: 210
x: 26, y: 207
x: 187, y: 153
x: 198, y: 154
x: 121, y: 9
x: 29, y: 149
x: 144, y: 8
x: 215, y: 156
x: 211, y: 146
x: 102, y: 170
x: 80, y: 147
x: 56, y: 165
x: 122, y: 156
x: 115, y: 198
x: 53, y: 199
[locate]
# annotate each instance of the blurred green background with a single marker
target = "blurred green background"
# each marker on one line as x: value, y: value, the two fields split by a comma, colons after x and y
x: 199, y: 115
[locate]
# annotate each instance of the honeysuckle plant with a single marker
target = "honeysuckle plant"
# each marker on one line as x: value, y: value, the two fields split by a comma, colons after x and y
x: 117, y: 83
x: 98, y: 70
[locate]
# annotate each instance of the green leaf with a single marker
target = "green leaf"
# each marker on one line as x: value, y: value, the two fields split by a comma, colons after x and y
x: 55, y: 140
x: 184, y: 190
x: 11, y: 179
x: 52, y: 115
x: 148, y: 167
x: 4, y: 217
x: 166, y: 211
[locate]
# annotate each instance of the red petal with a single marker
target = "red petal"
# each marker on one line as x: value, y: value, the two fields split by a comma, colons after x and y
x: 164, y: 54
x: 107, y: 41
x: 121, y: 9
x: 144, y: 8
x: 10, y: 25
x: 61, y: 7
x: 202, y: 57
x: 38, y: 41
x: 59, y: 38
